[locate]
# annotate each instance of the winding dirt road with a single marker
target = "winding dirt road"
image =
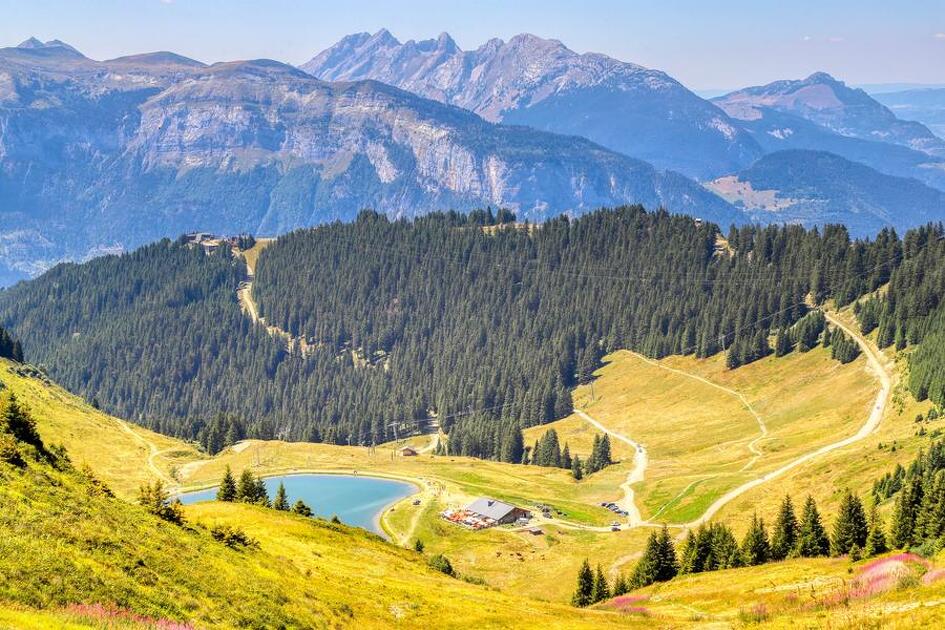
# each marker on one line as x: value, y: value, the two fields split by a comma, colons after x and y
x: 876, y: 364
x: 640, y: 461
x: 753, y: 445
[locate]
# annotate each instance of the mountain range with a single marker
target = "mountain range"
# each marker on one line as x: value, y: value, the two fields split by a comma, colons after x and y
x: 103, y: 156
x: 815, y: 187
x: 543, y: 84
x: 927, y: 105
x: 99, y: 156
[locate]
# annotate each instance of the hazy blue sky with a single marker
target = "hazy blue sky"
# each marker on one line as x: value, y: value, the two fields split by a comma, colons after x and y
x: 705, y: 44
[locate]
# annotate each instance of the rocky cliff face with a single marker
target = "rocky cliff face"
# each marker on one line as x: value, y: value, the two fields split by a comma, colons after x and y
x: 99, y: 156
x: 541, y: 83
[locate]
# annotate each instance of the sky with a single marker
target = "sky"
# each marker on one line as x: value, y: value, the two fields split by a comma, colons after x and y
x: 708, y: 45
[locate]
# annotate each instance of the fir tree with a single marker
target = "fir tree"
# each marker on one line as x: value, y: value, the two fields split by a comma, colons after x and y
x: 659, y: 562
x: 584, y: 593
x: 601, y: 588
x: 784, y: 537
x: 576, y: 471
x: 812, y: 539
x: 281, y: 501
x: 620, y: 586
x: 566, y: 456
x: 903, y: 521
x: 301, y: 509
x: 850, y: 527
x: 755, y: 548
x: 227, y: 489
x: 876, y: 541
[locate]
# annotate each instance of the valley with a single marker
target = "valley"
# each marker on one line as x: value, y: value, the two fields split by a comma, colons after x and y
x: 523, y: 324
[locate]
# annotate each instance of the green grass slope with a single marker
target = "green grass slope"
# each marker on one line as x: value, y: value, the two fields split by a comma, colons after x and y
x: 72, y: 555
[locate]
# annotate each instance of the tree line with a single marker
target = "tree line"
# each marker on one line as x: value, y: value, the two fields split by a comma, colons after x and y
x: 713, y: 546
x: 450, y: 318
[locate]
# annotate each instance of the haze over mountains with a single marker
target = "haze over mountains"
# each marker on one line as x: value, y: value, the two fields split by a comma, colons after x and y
x: 100, y: 155
x: 105, y: 156
x: 543, y: 84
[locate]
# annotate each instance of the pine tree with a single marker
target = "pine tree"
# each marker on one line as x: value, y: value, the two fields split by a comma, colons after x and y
x: 782, y: 343
x: 592, y: 466
x: 227, y: 489
x: 903, y: 521
x: 620, y: 586
x: 755, y: 548
x: 812, y: 539
x: 850, y: 527
x: 301, y: 509
x: 246, y: 487
x: 566, y: 456
x: 604, y: 458
x: 658, y: 563
x: 784, y: 537
x: 876, y: 541
x: 601, y: 589
x: 576, y: 471
x: 281, y: 501
x: 584, y: 593
x: 689, y: 558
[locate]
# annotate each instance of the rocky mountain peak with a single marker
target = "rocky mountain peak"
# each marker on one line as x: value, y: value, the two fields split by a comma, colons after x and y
x: 539, y: 82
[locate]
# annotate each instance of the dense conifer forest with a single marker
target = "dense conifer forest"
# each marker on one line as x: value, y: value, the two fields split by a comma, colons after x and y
x: 480, y: 323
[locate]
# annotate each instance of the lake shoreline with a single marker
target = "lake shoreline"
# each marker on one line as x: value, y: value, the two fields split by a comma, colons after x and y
x: 413, y: 485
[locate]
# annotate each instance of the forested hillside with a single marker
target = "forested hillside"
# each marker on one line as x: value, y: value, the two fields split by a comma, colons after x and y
x: 484, y: 326
x: 912, y: 312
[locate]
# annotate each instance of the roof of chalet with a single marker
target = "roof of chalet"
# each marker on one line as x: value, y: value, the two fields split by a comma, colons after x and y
x: 491, y: 508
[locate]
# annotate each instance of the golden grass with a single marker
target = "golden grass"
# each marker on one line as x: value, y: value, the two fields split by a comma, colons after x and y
x: 119, y: 452
x: 251, y: 255
x: 791, y: 594
x: 697, y: 435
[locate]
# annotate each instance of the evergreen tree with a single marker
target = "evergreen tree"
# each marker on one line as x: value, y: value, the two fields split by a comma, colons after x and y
x: 850, y: 527
x: 246, y: 487
x: 784, y: 537
x: 903, y: 521
x: 601, y: 589
x: 584, y: 593
x: 301, y: 509
x: 876, y: 541
x: 782, y: 343
x: 16, y: 420
x: 576, y: 471
x: 812, y: 539
x: 658, y: 563
x: 620, y: 586
x: 566, y: 457
x: 281, y: 501
x: 755, y: 548
x: 227, y: 489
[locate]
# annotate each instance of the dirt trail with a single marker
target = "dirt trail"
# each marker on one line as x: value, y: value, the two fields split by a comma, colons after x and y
x: 753, y: 445
x: 882, y: 372
x: 640, y: 461
x: 876, y: 364
x: 244, y: 294
x: 153, y: 451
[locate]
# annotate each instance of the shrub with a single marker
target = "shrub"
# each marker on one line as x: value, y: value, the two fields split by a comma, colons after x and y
x: 233, y: 537
x: 442, y: 564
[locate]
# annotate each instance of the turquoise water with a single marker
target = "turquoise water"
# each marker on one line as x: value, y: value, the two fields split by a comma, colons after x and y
x: 355, y: 500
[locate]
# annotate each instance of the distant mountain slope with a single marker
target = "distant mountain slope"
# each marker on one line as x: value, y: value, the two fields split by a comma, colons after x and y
x: 778, y: 131
x: 925, y: 105
x: 829, y: 103
x: 541, y: 83
x: 811, y: 187
x: 102, y: 156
